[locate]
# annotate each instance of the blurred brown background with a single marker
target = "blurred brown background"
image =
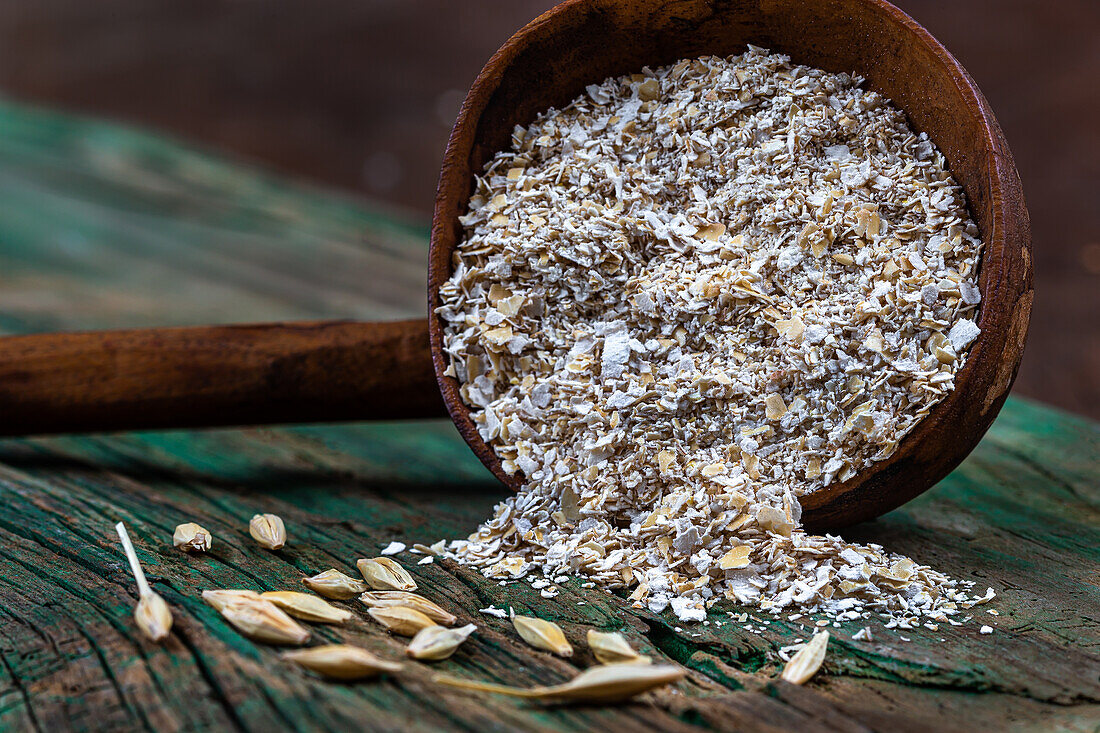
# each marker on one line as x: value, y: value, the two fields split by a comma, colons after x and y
x: 360, y: 94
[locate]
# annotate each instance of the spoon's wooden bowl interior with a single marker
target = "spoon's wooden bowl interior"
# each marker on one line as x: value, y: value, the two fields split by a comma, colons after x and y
x: 552, y: 59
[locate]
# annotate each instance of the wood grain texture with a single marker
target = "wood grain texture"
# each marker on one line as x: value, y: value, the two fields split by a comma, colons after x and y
x: 1020, y: 514
x: 586, y: 41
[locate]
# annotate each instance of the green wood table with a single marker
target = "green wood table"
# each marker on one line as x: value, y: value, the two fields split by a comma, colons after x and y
x: 102, y: 226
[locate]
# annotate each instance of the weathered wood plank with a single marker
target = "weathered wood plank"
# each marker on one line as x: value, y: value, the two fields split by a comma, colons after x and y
x: 101, y: 227
x: 107, y: 227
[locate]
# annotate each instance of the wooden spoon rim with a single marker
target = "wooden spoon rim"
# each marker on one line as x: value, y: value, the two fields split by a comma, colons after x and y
x: 1005, y: 283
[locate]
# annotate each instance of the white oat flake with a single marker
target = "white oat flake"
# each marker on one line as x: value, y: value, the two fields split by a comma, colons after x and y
x: 393, y: 548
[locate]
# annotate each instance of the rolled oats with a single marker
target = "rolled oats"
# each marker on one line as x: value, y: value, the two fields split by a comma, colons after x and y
x: 686, y: 299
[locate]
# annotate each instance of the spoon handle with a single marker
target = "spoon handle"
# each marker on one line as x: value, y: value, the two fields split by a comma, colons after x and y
x: 209, y: 376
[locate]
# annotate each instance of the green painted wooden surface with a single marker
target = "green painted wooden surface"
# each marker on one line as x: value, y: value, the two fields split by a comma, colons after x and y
x: 102, y: 226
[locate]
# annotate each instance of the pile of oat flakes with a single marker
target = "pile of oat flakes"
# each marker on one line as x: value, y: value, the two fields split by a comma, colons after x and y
x: 686, y: 299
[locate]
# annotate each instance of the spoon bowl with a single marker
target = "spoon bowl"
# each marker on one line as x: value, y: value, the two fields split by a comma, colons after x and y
x: 580, y: 42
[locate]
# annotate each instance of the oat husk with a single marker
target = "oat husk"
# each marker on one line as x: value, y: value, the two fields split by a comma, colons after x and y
x: 434, y: 643
x: 191, y: 537
x: 335, y: 585
x: 543, y: 634
x: 268, y: 530
x: 219, y: 599
x: 807, y: 661
x: 602, y: 684
x: 152, y: 615
x: 613, y: 648
x: 383, y: 573
x: 261, y: 620
x: 395, y: 598
x: 307, y: 607
x: 341, y: 662
x: 401, y: 620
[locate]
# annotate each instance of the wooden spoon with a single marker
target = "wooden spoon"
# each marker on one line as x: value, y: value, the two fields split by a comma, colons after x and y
x: 239, y: 375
